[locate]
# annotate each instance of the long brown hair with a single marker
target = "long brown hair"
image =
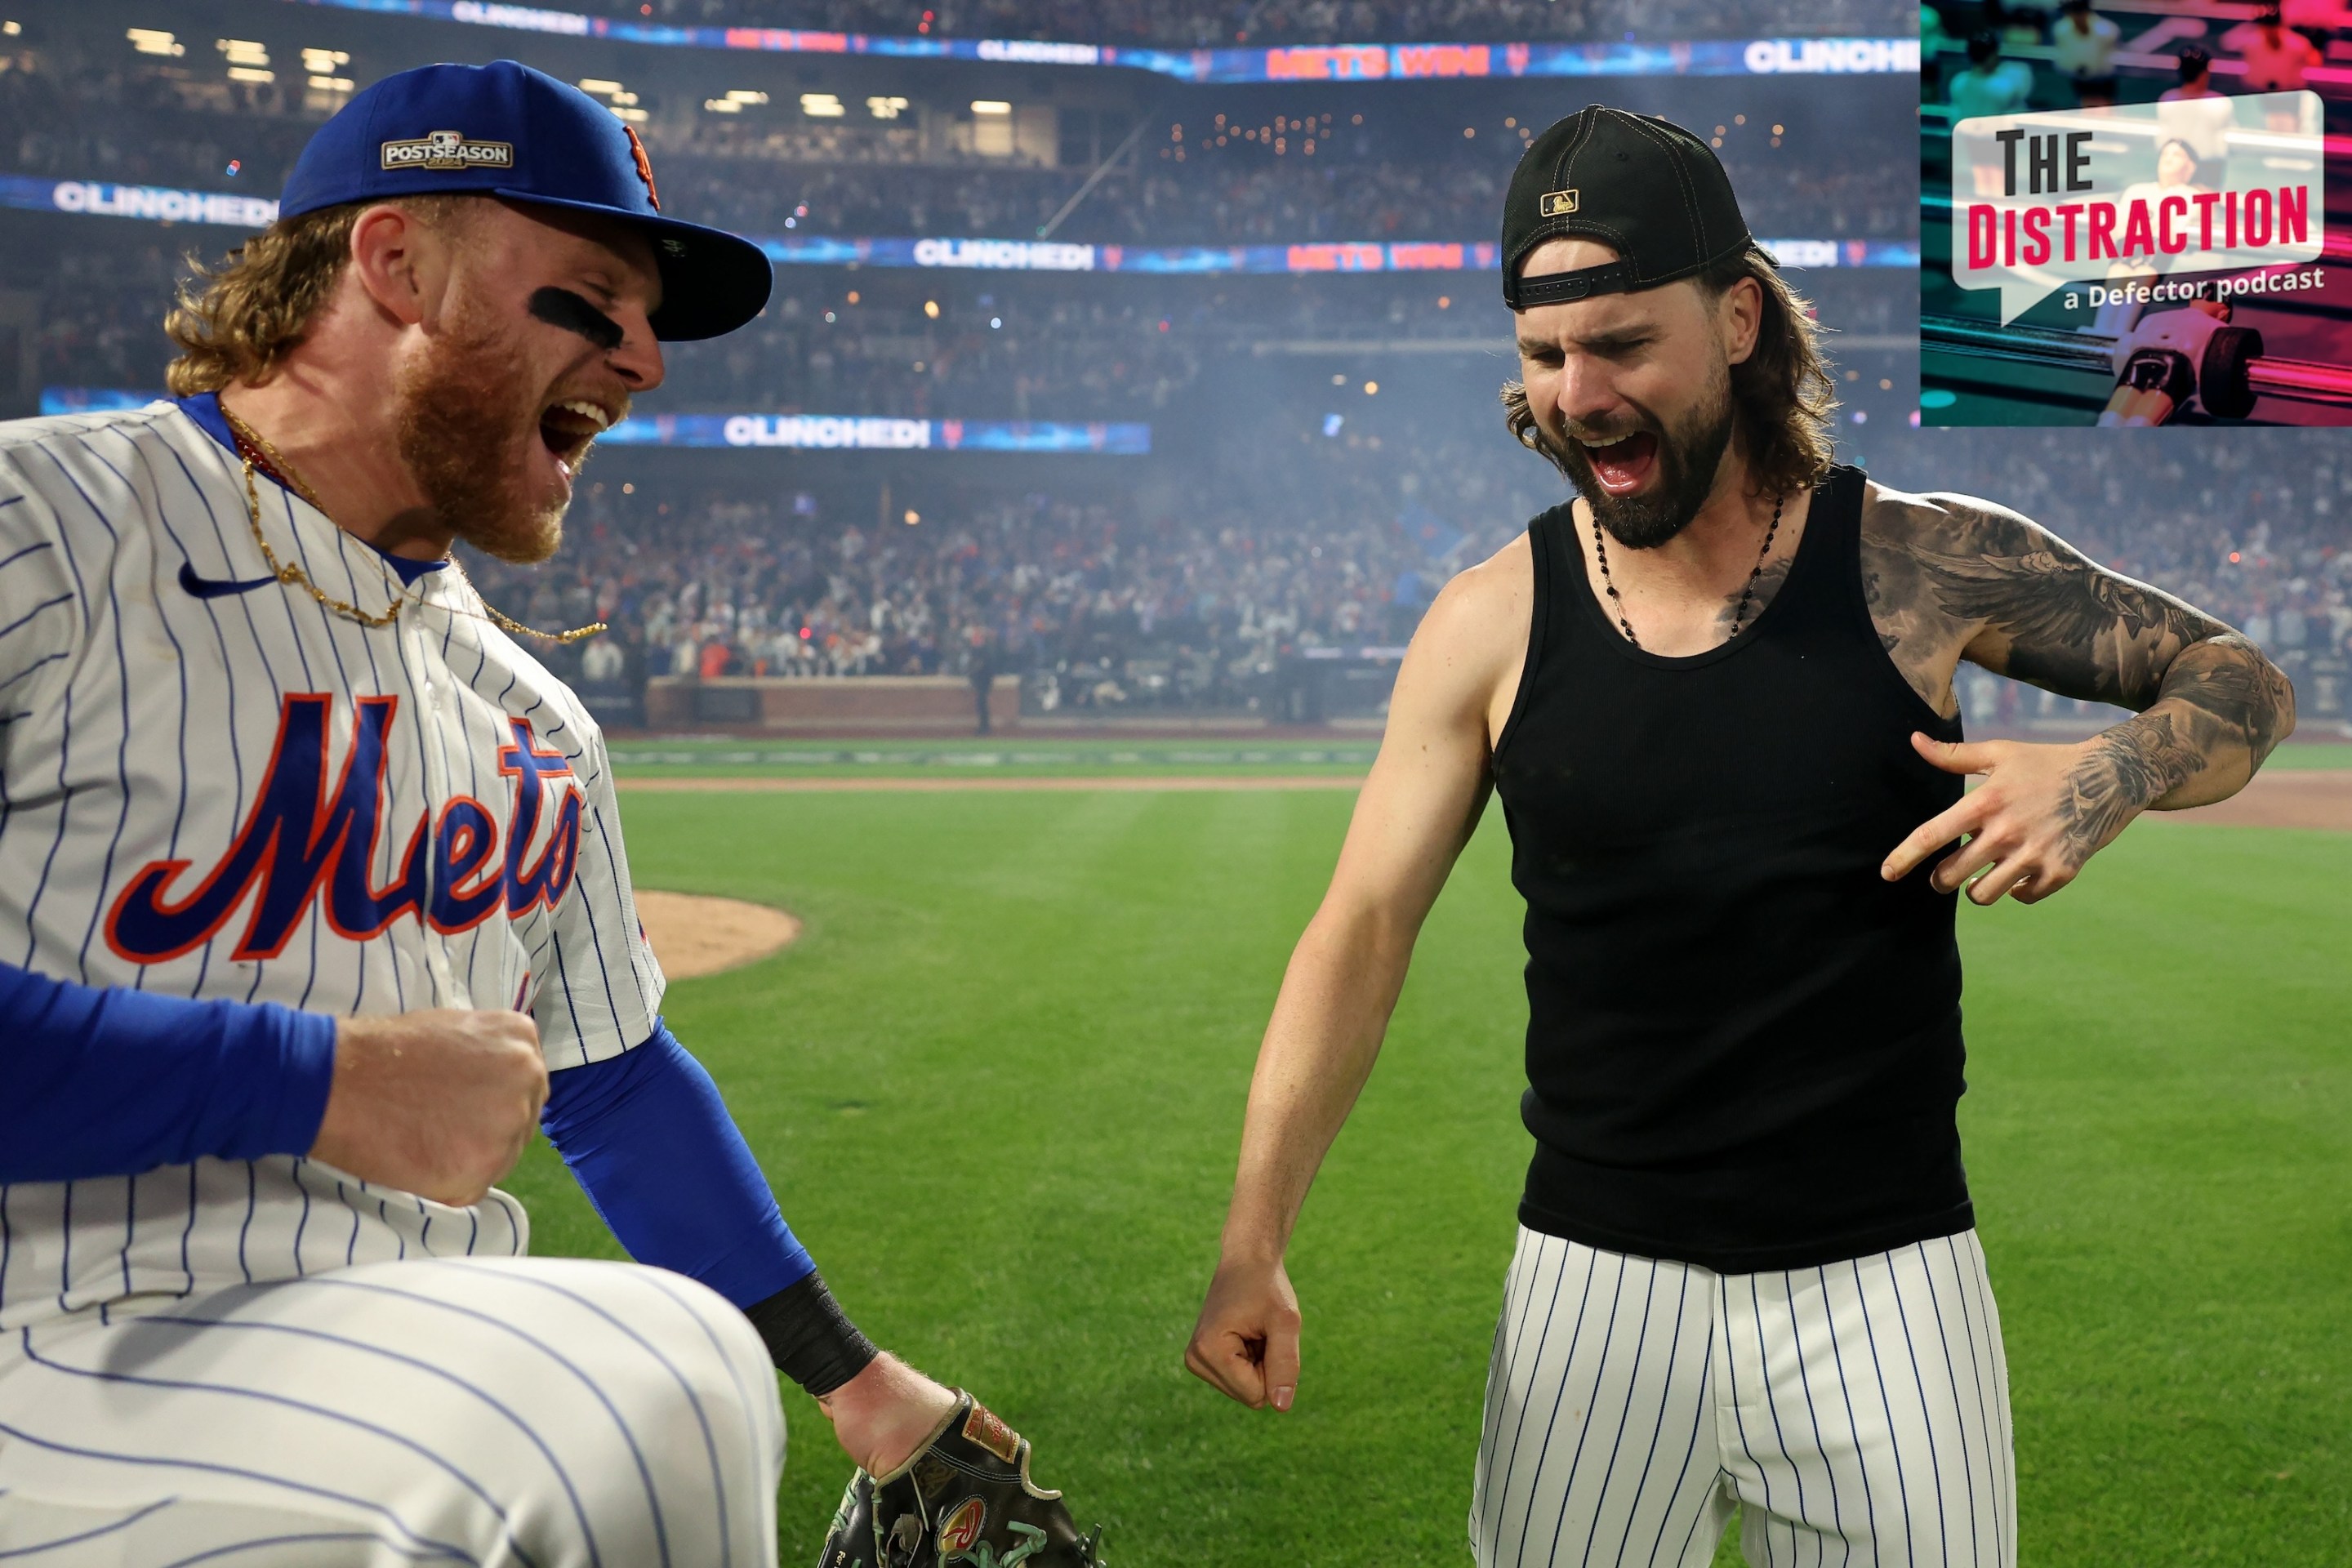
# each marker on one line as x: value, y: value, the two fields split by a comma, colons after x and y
x: 237, y: 320
x: 1782, y: 395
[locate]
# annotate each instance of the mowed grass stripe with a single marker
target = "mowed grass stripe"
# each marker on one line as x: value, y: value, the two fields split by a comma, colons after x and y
x: 998, y: 1085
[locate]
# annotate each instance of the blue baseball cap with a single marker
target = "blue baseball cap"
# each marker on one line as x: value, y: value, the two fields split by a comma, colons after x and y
x: 505, y: 129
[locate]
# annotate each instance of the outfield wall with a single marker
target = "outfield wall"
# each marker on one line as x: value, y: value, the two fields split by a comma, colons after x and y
x: 917, y: 704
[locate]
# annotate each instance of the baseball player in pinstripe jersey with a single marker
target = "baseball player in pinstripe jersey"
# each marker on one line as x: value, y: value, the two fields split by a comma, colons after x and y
x: 313, y: 904
x: 1714, y: 696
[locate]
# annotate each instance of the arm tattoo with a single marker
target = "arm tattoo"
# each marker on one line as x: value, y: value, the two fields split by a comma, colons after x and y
x: 2129, y: 766
x: 1950, y: 577
x: 2025, y: 604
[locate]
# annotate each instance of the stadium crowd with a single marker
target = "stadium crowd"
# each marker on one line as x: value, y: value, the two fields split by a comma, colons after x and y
x: 1205, y: 600
x: 1189, y: 23
x: 1193, y: 597
x: 963, y: 345
x: 1212, y: 182
x: 1447, y: 195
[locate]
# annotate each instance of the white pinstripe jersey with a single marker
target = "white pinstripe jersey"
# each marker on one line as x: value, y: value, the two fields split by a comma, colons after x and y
x: 213, y: 786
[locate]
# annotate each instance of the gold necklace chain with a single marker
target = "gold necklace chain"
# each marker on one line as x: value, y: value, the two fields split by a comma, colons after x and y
x: 251, y: 441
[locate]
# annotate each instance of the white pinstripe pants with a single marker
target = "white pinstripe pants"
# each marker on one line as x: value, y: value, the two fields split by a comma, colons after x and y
x: 537, y: 1412
x: 1858, y: 1413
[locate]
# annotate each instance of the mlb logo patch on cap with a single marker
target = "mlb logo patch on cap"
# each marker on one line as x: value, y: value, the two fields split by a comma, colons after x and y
x: 1660, y: 200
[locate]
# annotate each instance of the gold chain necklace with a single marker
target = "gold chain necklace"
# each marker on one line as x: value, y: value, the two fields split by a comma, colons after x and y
x: 252, y: 444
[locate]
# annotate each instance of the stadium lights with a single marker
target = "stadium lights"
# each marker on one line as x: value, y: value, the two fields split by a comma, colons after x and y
x: 913, y: 517
x: 621, y: 101
x: 1371, y: 389
x: 247, y: 59
x: 886, y: 108
x: 822, y: 106
x: 148, y: 41
x: 10, y: 29
x: 932, y: 309
x: 991, y: 106
x: 320, y: 65
x: 722, y: 106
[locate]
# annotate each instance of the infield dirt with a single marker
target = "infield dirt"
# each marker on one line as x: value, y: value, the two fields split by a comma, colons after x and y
x: 694, y: 934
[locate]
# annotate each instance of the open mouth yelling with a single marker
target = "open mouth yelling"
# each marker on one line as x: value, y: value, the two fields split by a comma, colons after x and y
x: 567, y: 427
x: 1623, y: 465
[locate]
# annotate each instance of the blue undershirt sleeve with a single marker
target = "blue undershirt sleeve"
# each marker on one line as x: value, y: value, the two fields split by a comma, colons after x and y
x: 663, y: 1162
x: 103, y: 1081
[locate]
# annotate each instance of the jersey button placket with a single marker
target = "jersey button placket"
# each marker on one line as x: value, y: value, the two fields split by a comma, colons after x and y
x: 442, y: 727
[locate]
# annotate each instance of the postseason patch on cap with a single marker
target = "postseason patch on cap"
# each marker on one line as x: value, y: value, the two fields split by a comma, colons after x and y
x: 447, y: 149
x: 1556, y: 203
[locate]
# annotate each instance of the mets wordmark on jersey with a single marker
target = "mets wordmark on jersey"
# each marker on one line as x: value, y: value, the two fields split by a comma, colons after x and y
x: 212, y: 785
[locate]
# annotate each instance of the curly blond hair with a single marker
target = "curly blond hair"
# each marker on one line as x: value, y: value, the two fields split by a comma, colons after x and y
x: 237, y: 321
x: 1782, y: 395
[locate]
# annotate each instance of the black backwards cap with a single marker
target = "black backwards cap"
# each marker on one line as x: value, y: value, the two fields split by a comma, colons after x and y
x: 1646, y: 188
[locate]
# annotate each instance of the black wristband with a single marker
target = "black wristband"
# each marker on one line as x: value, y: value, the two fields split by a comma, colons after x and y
x: 810, y: 1338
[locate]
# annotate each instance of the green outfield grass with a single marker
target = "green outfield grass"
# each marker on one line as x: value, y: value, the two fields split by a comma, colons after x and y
x: 2312, y: 754
x: 998, y: 1086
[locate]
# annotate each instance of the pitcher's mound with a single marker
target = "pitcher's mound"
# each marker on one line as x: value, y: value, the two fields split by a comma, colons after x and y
x: 694, y: 933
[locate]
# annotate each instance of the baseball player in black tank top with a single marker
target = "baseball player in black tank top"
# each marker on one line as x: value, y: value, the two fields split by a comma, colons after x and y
x: 1715, y: 694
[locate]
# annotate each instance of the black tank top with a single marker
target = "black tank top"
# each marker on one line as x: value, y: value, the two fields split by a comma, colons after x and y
x: 1743, y: 1047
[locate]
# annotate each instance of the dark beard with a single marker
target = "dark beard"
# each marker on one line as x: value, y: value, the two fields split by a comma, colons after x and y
x: 465, y: 408
x: 1687, y: 462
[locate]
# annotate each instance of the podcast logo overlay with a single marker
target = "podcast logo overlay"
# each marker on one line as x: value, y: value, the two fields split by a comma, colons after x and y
x: 2113, y: 206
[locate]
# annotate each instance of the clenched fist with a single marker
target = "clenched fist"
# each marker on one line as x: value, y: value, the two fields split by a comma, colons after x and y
x: 439, y: 1103
x: 1247, y: 1342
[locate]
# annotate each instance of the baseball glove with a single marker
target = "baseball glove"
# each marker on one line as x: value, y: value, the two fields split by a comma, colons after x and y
x: 964, y: 1497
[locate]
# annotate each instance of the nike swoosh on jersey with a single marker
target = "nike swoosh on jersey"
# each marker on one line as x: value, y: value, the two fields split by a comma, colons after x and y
x: 218, y: 589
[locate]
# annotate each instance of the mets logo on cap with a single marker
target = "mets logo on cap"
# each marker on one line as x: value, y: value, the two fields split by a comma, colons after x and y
x: 447, y: 149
